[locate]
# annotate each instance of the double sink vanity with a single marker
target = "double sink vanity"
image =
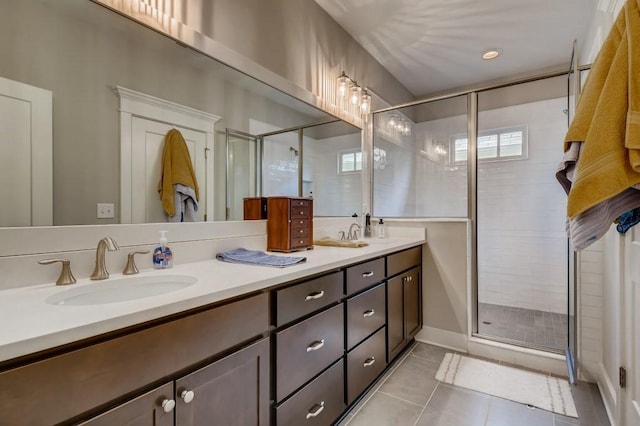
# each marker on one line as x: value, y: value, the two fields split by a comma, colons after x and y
x: 211, y: 342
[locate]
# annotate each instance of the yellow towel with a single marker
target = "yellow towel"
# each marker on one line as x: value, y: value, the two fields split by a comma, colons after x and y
x: 607, y: 119
x: 176, y: 168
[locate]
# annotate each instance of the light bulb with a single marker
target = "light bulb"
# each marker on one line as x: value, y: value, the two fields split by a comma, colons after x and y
x: 365, y: 102
x: 354, y: 95
x: 343, y: 84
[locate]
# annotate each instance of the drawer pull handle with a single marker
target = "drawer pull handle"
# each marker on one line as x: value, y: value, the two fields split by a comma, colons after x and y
x: 315, y: 410
x: 369, y: 361
x: 368, y: 313
x: 315, y: 345
x: 367, y: 274
x: 168, y: 405
x: 187, y: 396
x: 315, y: 295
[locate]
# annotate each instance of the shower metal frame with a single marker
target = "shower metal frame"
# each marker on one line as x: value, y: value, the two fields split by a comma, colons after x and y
x: 472, y: 214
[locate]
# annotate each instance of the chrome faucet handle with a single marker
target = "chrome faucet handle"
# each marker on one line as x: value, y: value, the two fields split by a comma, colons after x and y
x: 100, y: 271
x: 131, y: 267
x: 66, y: 277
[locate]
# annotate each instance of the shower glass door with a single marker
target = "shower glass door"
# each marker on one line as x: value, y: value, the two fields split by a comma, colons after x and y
x: 243, y: 171
x: 522, y: 245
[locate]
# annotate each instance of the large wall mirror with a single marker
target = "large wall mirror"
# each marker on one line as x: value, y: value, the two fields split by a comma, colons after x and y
x: 94, y: 64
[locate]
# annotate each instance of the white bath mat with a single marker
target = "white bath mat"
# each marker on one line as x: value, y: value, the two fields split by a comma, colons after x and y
x: 549, y: 393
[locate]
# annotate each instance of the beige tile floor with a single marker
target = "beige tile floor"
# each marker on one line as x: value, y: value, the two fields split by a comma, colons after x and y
x: 410, y: 395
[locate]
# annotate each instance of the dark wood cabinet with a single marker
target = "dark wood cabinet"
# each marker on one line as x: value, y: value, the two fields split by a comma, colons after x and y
x: 231, y: 391
x: 154, y: 408
x: 74, y: 384
x: 289, y: 224
x: 404, y: 310
x: 299, y: 354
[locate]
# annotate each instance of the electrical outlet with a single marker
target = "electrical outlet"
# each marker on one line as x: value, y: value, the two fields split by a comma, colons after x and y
x: 105, y: 211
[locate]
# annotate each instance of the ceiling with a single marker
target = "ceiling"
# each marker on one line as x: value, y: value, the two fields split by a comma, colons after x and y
x: 432, y: 46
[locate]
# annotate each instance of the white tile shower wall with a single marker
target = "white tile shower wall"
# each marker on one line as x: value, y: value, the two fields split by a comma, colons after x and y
x: 394, y: 181
x: 522, y: 241
x: 590, y: 313
x: 441, y: 187
x: 334, y: 194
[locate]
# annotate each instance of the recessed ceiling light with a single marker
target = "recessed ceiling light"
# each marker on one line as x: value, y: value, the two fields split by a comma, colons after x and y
x: 491, y: 54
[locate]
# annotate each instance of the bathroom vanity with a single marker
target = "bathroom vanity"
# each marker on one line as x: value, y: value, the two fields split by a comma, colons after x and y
x: 298, y: 345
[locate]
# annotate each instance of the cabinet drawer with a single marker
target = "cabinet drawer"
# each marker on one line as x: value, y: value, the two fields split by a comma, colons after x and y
x: 100, y: 373
x: 365, y: 274
x: 298, y: 223
x: 305, y: 349
x: 298, y: 211
x: 403, y: 260
x: 302, y: 299
x: 300, y: 242
x: 299, y: 231
x: 298, y: 202
x: 364, y: 364
x: 318, y: 403
x: 365, y: 314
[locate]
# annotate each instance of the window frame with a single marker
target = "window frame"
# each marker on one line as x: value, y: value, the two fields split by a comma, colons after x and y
x: 497, y: 132
x: 342, y: 153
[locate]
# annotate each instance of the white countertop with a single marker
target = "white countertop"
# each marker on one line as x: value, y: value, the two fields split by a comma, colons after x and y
x: 29, y: 324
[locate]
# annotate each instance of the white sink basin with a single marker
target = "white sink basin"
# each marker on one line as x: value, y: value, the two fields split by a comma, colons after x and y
x: 121, y: 290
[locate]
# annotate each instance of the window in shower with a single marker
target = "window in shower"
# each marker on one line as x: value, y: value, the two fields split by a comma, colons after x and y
x: 521, y: 238
x: 495, y: 144
x: 349, y: 161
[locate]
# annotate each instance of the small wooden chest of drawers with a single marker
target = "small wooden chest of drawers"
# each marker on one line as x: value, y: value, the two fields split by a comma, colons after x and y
x: 289, y: 224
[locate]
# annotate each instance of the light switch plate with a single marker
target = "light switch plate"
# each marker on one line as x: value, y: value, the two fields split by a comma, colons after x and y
x: 105, y: 211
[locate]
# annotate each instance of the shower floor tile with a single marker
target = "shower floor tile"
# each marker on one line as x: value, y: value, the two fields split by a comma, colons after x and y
x: 537, y: 328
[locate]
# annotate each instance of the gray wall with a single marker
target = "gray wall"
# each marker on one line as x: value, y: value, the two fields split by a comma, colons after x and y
x: 80, y: 50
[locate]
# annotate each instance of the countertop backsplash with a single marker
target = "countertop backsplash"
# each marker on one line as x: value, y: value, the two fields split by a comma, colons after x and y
x: 22, y: 248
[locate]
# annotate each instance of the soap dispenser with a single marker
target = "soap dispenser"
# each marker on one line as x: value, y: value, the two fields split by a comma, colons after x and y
x: 162, y: 255
x: 381, y: 230
x: 367, y: 225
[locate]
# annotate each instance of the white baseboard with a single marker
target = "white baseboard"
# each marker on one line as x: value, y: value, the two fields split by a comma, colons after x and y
x: 608, y: 394
x: 443, y: 338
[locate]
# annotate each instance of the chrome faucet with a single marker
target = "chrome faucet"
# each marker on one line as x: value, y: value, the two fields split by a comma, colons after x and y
x: 353, y: 233
x: 100, y: 271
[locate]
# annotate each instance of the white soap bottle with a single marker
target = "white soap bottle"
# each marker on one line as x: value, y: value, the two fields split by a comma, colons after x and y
x: 162, y: 255
x: 380, y: 229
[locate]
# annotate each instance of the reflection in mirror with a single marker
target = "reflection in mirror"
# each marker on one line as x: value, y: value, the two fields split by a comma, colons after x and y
x: 281, y: 154
x: 326, y: 166
x: 243, y: 171
x: 332, y: 169
x: 80, y: 51
x: 416, y: 172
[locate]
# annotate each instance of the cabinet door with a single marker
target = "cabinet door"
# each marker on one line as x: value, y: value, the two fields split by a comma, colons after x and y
x: 145, y: 410
x: 395, y: 317
x: 412, y: 303
x: 231, y: 391
x: 404, y: 313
